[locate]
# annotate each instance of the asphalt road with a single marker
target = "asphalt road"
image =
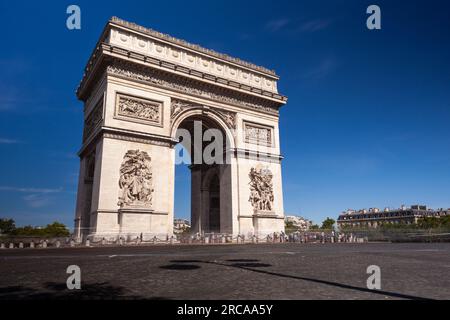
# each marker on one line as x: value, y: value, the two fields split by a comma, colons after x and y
x: 272, y: 271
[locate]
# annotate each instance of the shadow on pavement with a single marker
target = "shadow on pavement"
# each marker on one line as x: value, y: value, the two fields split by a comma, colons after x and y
x: 180, y: 267
x: 242, y: 260
x: 250, y: 267
x: 59, y: 291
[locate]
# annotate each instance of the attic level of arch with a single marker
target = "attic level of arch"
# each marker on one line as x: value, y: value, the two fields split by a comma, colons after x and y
x: 197, y: 87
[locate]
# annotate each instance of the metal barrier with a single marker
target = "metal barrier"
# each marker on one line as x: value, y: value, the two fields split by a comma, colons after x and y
x: 347, y: 236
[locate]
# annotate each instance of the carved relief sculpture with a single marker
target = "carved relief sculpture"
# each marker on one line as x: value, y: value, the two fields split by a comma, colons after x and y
x: 228, y: 117
x: 177, y: 107
x: 135, y: 180
x: 258, y: 134
x: 261, y: 189
x: 93, y: 119
x: 201, y: 90
x: 131, y: 107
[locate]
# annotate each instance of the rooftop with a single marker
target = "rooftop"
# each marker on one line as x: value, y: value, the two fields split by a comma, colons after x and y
x: 387, y: 209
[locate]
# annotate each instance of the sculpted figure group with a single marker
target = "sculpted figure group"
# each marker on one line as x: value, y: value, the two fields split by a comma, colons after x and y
x: 135, y: 180
x: 261, y: 189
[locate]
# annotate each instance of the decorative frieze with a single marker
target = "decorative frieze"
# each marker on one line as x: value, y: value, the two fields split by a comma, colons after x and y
x: 258, y: 134
x: 93, y: 119
x: 186, y: 86
x: 135, y: 180
x: 138, y: 109
x: 261, y: 189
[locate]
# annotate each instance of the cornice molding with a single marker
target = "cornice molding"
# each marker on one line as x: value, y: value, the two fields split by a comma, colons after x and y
x: 125, y: 135
x: 257, y: 155
x: 132, y: 138
x: 134, y: 43
x: 107, y: 52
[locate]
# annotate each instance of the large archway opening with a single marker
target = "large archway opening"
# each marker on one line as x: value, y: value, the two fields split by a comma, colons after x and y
x: 202, y: 149
x: 182, y: 199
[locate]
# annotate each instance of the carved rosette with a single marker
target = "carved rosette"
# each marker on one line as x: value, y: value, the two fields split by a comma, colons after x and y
x: 261, y: 189
x: 135, y: 180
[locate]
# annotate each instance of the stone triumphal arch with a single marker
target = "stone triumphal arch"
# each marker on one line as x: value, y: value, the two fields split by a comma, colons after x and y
x: 140, y: 89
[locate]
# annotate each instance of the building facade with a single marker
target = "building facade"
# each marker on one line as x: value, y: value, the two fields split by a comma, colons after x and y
x: 375, y: 217
x: 140, y: 89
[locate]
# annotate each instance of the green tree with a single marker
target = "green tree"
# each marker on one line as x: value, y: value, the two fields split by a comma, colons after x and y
x: 429, y: 222
x: 328, y: 223
x: 289, y: 227
x: 314, y: 227
x: 56, y: 229
x: 445, y: 221
x: 289, y: 224
x: 186, y: 231
x: 28, y: 231
x: 7, y: 226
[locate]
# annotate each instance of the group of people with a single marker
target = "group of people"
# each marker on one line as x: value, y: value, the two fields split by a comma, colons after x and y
x: 322, y: 237
x: 277, y: 237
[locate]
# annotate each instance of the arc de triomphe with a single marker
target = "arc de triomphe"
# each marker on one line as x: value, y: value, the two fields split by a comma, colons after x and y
x: 140, y: 87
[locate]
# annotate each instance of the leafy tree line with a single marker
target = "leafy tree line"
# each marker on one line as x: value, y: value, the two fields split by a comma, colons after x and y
x: 434, y: 222
x: 55, y: 229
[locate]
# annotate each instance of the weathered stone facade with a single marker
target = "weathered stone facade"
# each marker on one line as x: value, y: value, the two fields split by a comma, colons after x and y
x: 139, y: 88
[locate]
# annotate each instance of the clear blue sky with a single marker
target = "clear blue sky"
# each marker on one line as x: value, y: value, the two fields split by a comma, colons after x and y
x: 367, y: 123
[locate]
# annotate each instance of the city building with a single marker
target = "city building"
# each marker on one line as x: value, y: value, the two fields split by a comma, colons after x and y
x: 375, y: 217
x: 179, y: 225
